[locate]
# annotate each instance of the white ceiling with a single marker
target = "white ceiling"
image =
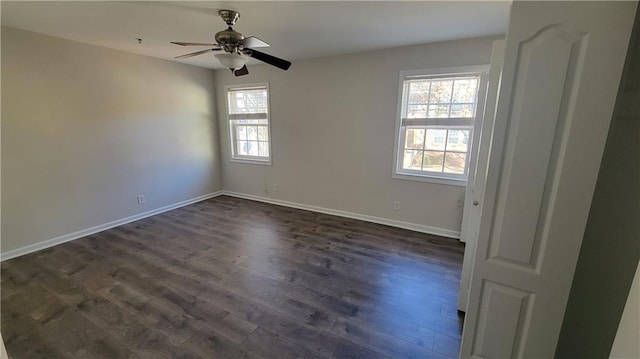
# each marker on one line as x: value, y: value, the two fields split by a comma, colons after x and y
x: 295, y: 29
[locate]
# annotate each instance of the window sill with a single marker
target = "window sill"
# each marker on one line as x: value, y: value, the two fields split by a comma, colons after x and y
x: 431, y: 179
x: 251, y: 161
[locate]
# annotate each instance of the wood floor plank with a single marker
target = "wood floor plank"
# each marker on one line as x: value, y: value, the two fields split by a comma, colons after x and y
x: 270, y: 345
x: 347, y: 349
x: 105, y: 348
x: 371, y: 338
x: 315, y: 341
x: 153, y: 344
x: 209, y: 344
x: 446, y: 345
x: 232, y: 278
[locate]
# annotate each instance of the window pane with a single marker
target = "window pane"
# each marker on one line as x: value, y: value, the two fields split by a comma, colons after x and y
x: 252, y: 133
x: 462, y: 110
x: 438, y: 111
x: 242, y: 147
x: 241, y: 133
x: 465, y: 90
x: 433, y: 161
x: 458, y: 140
x: 248, y: 101
x: 441, y: 91
x: 455, y: 162
x: 417, y: 111
x: 418, y: 92
x: 263, y: 133
x: 252, y: 148
x: 436, y: 139
x: 263, y: 149
x: 412, y: 160
x: 453, y: 138
x: 414, y: 138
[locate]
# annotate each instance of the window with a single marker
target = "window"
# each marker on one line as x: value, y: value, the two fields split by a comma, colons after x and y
x: 435, y: 125
x: 248, y: 113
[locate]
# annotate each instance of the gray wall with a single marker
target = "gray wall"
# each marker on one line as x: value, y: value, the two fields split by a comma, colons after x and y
x: 333, y: 124
x: 85, y: 129
x: 611, y: 247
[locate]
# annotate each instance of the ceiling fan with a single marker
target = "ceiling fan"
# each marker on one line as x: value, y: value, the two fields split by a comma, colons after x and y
x: 237, y: 48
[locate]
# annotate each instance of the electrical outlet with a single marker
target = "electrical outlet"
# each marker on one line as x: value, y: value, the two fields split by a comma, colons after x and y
x: 396, y: 206
x: 460, y: 203
x: 274, y: 187
x: 140, y: 199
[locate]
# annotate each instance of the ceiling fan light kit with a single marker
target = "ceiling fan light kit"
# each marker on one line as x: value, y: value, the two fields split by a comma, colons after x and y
x: 231, y: 61
x: 237, y: 48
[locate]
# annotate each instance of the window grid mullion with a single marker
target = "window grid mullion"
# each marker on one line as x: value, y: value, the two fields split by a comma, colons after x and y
x: 453, y: 83
x: 429, y: 97
x: 424, y: 148
x: 444, y: 153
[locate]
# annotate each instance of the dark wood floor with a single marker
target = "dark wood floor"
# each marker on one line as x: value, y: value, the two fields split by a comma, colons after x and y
x: 231, y: 278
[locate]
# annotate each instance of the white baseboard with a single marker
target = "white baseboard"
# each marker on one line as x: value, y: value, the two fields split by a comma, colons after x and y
x: 85, y: 232
x: 389, y: 222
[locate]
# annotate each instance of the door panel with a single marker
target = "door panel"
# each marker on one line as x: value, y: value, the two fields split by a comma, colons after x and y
x: 548, y: 63
x: 503, y: 316
x: 562, y: 67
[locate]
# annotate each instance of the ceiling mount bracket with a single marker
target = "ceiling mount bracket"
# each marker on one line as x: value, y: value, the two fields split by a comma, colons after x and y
x: 229, y: 16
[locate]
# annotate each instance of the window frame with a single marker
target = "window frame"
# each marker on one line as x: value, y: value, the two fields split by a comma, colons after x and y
x: 400, y: 131
x: 233, y: 156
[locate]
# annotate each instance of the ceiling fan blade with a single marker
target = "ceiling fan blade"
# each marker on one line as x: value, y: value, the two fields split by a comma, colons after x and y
x: 192, y: 43
x: 186, y: 56
x: 271, y: 60
x: 253, y: 41
x: 242, y: 71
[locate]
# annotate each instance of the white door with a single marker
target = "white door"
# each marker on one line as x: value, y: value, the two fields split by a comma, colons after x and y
x: 474, y: 192
x: 562, y: 68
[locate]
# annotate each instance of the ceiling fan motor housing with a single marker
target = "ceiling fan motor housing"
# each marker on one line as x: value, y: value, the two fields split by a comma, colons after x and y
x: 229, y: 39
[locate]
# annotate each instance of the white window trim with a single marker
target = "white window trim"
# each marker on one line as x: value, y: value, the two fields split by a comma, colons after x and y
x: 437, y: 178
x: 248, y: 159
